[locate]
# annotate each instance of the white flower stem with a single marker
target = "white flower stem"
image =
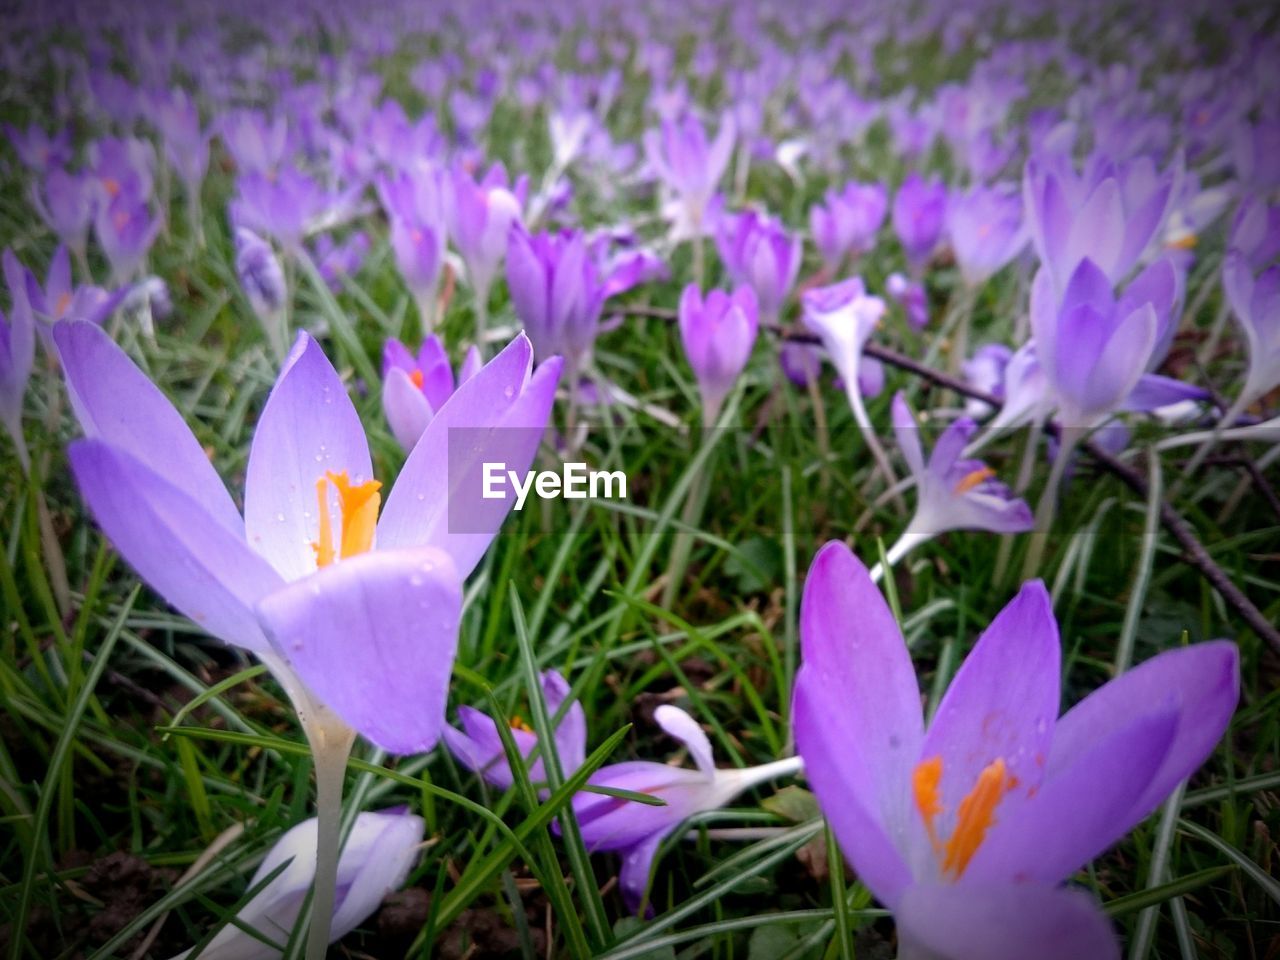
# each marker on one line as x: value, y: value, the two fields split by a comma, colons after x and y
x: 909, y: 540
x: 873, y: 442
x: 331, y: 742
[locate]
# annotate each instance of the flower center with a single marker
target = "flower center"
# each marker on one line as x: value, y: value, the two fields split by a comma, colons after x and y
x: 973, y: 478
x: 415, y: 376
x: 517, y: 723
x: 61, y: 304
x: 358, y: 505
x: 974, y: 816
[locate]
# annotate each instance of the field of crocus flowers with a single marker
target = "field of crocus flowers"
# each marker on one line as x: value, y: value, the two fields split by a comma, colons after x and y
x: 680, y: 480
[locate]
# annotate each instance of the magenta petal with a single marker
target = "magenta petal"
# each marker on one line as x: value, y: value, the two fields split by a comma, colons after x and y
x: 1003, y: 701
x: 308, y: 428
x: 1202, y: 680
x: 499, y: 415
x: 1003, y: 922
x: 374, y: 636
x: 1076, y: 814
x: 180, y: 550
x: 857, y: 716
x: 117, y: 403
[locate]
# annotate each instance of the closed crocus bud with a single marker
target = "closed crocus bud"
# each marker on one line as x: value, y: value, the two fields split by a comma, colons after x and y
x: 759, y: 252
x: 414, y: 388
x: 375, y: 861
x: 919, y: 213
x: 718, y: 335
x: 262, y: 279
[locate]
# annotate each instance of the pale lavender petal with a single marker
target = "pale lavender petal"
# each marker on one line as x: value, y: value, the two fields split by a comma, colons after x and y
x: 678, y: 724
x: 907, y: 431
x: 308, y: 428
x: 117, y: 403
x: 374, y: 636
x: 405, y: 407
x: 181, y: 551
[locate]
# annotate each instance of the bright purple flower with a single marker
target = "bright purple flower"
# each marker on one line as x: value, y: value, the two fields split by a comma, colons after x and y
x: 679, y: 154
x: 953, y: 493
x: 558, y: 290
x: 847, y: 224
x: 759, y: 252
x: 1094, y: 348
x: 351, y: 610
x: 414, y: 388
x: 125, y: 230
x: 478, y: 746
x: 635, y: 829
x: 1109, y: 214
x: 718, y: 334
x: 1256, y: 304
x: 968, y: 828
x: 919, y: 214
x: 911, y: 296
x: 480, y: 216
x: 17, y: 353
x: 986, y: 230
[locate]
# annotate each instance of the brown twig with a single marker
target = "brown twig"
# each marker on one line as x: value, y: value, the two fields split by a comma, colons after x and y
x: 1195, y: 553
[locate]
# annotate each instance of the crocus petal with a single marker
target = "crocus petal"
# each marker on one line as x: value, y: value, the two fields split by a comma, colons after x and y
x: 308, y: 428
x: 1121, y: 363
x: 637, y: 865
x: 499, y: 415
x: 613, y: 823
x: 1078, y: 813
x: 907, y: 431
x: 684, y: 728
x: 857, y: 716
x: 1097, y: 231
x: 571, y: 732
x: 374, y: 637
x: 1154, y: 391
x: 1003, y: 922
x: 117, y: 403
x: 1003, y: 700
x: 406, y: 408
x: 1204, y: 680
x: 180, y: 550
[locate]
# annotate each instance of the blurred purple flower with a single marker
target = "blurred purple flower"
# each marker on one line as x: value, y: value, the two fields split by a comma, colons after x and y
x: 339, y: 260
x: 186, y: 144
x: 986, y: 229
x: 125, y: 229
x: 263, y: 281
x: 66, y: 204
x: 967, y: 829
x: 718, y: 334
x: 40, y: 151
x: 257, y: 143
x: 911, y: 296
x: 480, y: 216
x: 759, y: 252
x: 985, y: 371
x: 846, y: 225
x: 919, y: 214
x: 414, y: 388
x: 689, y: 166
x: 17, y: 353
x: 286, y: 206
x: 1256, y: 304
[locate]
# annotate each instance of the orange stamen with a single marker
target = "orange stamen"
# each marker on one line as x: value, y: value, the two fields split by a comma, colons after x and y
x: 1186, y: 241
x: 61, y: 304
x: 924, y: 784
x: 975, y: 816
x: 517, y: 723
x: 416, y: 378
x: 972, y: 479
x: 358, y: 506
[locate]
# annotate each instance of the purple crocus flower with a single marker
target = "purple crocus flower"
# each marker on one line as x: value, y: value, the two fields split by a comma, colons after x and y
x: 17, y: 353
x: 1092, y: 348
x: 480, y: 216
x: 678, y: 152
x: 60, y: 299
x: 845, y: 317
x: 257, y: 143
x: 125, y: 229
x: 414, y: 388
x: 919, y: 214
x: 415, y: 206
x: 355, y: 614
x: 636, y: 830
x: 718, y: 334
x: 911, y: 296
x: 376, y: 859
x: 186, y: 143
x: 478, y: 746
x: 1256, y: 304
x: 66, y: 204
x: 846, y: 225
x: 986, y: 229
x: 558, y: 290
x: 38, y: 150
x: 953, y: 493
x: 759, y: 252
x: 338, y: 260
x: 286, y: 206
x: 1109, y: 214
x: 263, y: 281
x: 985, y: 371
x: 968, y: 828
